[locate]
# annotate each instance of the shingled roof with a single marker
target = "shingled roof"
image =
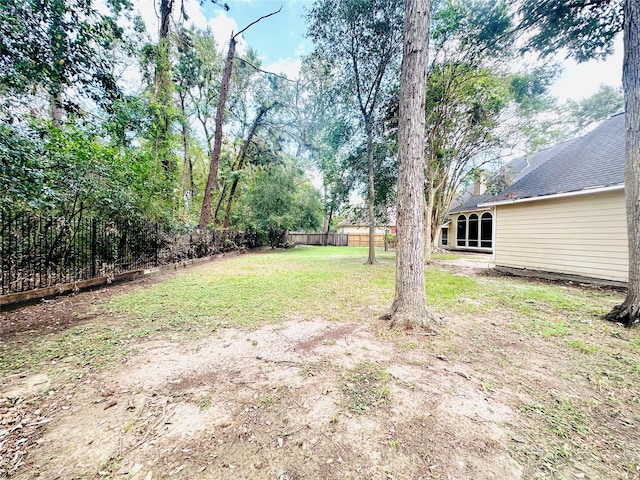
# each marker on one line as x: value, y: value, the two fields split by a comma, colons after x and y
x: 519, y: 167
x: 596, y: 160
x: 514, y: 171
x: 471, y: 203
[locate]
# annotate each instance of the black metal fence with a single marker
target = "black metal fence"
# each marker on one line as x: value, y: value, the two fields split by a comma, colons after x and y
x: 39, y: 252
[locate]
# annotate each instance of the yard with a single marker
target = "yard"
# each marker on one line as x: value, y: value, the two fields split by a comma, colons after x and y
x: 275, y: 366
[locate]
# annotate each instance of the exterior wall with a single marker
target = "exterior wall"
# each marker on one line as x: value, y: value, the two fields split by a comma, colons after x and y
x: 453, y: 232
x: 580, y: 235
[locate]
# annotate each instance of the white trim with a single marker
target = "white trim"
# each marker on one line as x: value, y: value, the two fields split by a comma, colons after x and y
x: 553, y: 196
x: 472, y: 249
x: 477, y: 208
x: 494, y: 212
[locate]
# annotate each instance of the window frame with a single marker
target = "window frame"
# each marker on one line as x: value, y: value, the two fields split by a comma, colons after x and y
x: 461, y: 240
x: 473, y: 222
x: 486, y: 219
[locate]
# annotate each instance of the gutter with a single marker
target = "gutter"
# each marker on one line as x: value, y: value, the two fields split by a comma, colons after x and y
x: 553, y: 196
x: 481, y: 206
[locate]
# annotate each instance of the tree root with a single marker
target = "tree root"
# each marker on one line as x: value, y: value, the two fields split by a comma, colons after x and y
x: 626, y: 314
x: 409, y: 319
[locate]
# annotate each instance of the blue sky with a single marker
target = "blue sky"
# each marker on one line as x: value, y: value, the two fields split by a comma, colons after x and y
x: 279, y: 36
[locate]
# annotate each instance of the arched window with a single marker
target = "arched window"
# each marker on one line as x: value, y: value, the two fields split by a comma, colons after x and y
x: 486, y: 230
x: 473, y: 230
x: 461, y: 231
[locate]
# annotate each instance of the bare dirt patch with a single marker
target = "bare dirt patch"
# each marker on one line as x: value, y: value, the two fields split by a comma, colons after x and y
x: 269, y: 404
x: 52, y: 315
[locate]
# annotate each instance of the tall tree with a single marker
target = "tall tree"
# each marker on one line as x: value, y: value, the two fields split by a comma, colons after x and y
x: 197, y: 77
x: 410, y: 304
x: 363, y: 39
x: 464, y: 105
x: 185, y: 77
x: 629, y: 311
x: 163, y: 106
x: 587, y: 29
x: 468, y: 90
x: 212, y: 178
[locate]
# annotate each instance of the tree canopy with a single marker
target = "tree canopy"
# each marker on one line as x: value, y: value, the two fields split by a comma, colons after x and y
x: 582, y: 29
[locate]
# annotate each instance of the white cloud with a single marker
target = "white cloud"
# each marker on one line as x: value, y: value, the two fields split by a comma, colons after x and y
x: 221, y: 26
x: 194, y: 13
x: 148, y: 9
x: 582, y: 80
x: 285, y: 66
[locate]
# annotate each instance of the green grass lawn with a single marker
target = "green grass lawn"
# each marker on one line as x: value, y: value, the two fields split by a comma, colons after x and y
x: 304, y: 283
x: 247, y: 291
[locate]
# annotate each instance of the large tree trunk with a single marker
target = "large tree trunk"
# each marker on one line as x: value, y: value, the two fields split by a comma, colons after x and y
x: 187, y: 183
x: 372, y: 194
x: 629, y: 312
x: 57, y: 109
x: 409, y: 308
x: 163, y: 89
x: 205, y: 211
x: 166, y: 6
x: 326, y: 233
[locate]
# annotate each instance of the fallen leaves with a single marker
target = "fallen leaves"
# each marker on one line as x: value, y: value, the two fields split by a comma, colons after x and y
x: 21, y: 424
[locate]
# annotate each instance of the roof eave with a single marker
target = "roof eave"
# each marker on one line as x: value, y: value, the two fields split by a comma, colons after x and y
x: 481, y: 206
x: 610, y: 188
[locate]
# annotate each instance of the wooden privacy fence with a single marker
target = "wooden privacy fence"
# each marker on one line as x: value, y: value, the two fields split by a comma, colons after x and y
x: 338, y: 239
x: 362, y: 240
x: 301, y: 238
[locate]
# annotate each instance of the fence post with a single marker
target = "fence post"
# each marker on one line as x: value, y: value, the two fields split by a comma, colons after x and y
x: 94, y: 247
x: 4, y: 258
x: 157, y: 245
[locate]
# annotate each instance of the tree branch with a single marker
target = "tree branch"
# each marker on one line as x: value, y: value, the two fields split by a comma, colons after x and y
x: 264, y: 71
x: 256, y: 21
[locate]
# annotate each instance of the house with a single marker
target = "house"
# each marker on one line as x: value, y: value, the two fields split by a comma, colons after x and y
x: 470, y: 226
x: 565, y: 216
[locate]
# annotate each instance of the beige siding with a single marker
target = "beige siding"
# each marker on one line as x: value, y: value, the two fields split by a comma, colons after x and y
x: 440, y: 234
x: 579, y: 235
